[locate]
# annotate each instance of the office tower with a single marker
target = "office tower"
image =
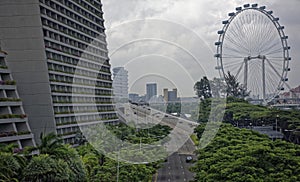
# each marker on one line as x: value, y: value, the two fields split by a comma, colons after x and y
x: 58, y: 55
x: 134, y: 97
x: 165, y: 94
x: 170, y: 96
x: 151, y: 90
x: 14, y: 126
x: 120, y: 83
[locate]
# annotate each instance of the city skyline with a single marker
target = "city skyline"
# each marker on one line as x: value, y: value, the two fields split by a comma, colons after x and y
x: 195, y: 31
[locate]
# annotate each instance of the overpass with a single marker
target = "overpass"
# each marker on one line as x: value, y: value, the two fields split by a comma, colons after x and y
x: 287, y: 106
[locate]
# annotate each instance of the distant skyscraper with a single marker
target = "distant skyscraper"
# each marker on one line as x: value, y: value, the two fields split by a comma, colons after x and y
x: 170, y: 96
x: 134, y: 97
x: 58, y: 55
x: 166, y: 94
x: 151, y: 90
x: 120, y: 83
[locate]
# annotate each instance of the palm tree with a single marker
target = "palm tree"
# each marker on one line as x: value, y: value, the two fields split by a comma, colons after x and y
x: 50, y: 144
x: 9, y: 167
x: 53, y: 146
x: 44, y: 168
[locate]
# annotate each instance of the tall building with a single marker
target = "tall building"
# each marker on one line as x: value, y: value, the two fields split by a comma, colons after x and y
x: 14, y: 126
x: 166, y: 94
x: 151, y: 90
x: 57, y: 53
x: 170, y: 96
x: 120, y: 83
x: 134, y: 97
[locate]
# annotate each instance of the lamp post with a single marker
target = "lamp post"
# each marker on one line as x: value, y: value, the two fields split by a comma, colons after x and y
x: 277, y: 116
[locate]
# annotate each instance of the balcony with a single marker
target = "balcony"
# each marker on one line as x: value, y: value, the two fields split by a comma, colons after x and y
x: 14, y: 136
x: 13, y: 120
x: 10, y: 103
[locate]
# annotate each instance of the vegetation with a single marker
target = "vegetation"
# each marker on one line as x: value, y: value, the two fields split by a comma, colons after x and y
x: 174, y: 107
x: 234, y: 88
x: 240, y: 110
x: 7, y: 82
x: 135, y: 136
x: 244, y: 155
x: 202, y: 88
x: 195, y: 139
x: 56, y: 161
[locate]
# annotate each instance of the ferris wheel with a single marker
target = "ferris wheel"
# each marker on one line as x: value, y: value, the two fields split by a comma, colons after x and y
x: 253, y: 47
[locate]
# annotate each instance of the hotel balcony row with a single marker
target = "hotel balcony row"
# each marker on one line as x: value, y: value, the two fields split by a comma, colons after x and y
x: 14, y: 127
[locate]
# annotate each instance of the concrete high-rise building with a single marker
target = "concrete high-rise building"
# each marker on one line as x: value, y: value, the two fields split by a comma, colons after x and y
x: 57, y: 53
x: 134, y: 97
x: 151, y: 90
x: 166, y: 94
x: 120, y: 83
x: 170, y: 96
x: 14, y: 126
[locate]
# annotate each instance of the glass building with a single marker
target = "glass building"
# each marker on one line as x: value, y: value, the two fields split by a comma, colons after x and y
x: 120, y: 83
x: 151, y: 90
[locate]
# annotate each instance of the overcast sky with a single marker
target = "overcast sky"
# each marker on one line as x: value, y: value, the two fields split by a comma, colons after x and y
x: 171, y: 42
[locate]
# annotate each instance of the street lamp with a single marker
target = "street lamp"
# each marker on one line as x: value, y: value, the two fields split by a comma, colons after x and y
x: 277, y: 116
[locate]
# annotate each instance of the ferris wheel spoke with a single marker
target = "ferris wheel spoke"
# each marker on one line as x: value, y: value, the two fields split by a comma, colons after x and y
x: 233, y: 50
x: 276, y: 63
x: 238, y: 36
x: 272, y: 82
x: 232, y: 68
x: 238, y: 45
x: 232, y: 54
x: 279, y: 50
x: 271, y: 46
x: 254, y: 82
x: 232, y: 57
x: 273, y: 68
x: 239, y: 70
x: 232, y: 62
x: 270, y: 57
x: 269, y: 41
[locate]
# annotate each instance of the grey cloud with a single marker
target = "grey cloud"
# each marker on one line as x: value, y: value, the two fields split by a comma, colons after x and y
x: 201, y: 18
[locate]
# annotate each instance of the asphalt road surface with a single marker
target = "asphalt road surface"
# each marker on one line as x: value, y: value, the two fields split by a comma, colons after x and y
x: 176, y: 169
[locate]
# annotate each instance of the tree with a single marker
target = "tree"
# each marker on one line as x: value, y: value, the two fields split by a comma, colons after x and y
x: 234, y: 88
x: 50, y: 144
x: 218, y: 87
x: 45, y: 168
x: 53, y: 146
x: 204, y: 110
x: 202, y: 88
x: 9, y: 167
x: 244, y: 155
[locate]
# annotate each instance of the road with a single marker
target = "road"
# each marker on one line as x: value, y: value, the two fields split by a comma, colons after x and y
x: 178, y: 147
x: 176, y: 168
x: 145, y: 117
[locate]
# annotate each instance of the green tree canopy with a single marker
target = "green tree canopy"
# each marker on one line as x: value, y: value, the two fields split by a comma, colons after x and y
x: 234, y: 88
x: 244, y: 155
x: 202, y: 88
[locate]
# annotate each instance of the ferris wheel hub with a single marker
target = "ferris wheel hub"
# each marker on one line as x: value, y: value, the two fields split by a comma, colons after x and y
x: 263, y: 57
